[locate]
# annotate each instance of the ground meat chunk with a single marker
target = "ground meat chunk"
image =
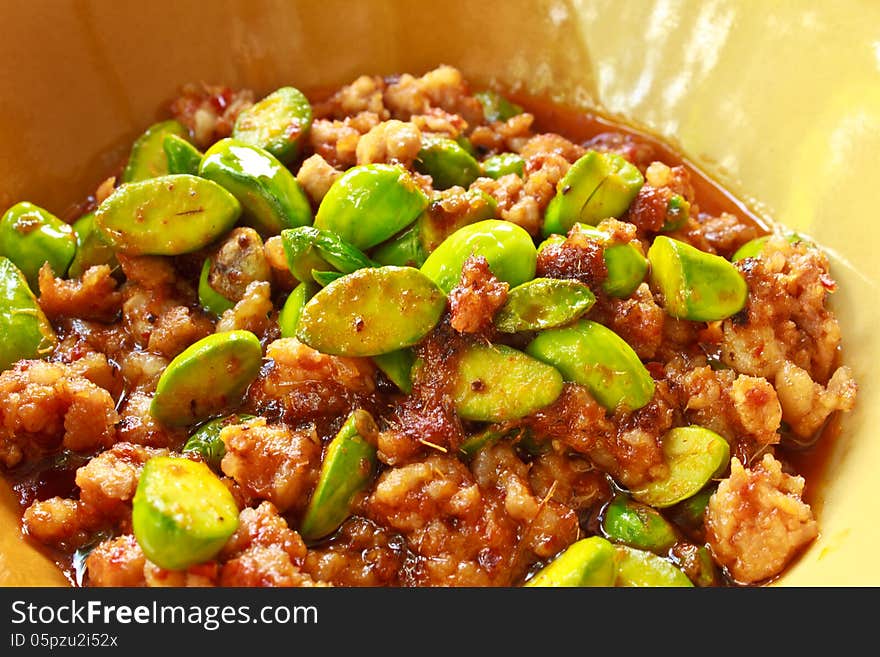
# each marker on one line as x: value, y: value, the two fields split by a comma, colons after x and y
x: 336, y: 141
x: 362, y: 95
x: 199, y: 575
x: 264, y: 551
x: 438, y: 122
x: 272, y: 462
x: 756, y: 521
x: 443, y: 87
x: 176, y: 329
x: 361, y: 554
x: 500, y: 136
x: 108, y: 481
x: 47, y: 406
x: 92, y: 296
x: 252, y: 313
x: 578, y: 257
x: 138, y: 425
x: 308, y: 384
x: 636, y: 150
x: 459, y: 536
x: 239, y: 261
x: 648, y: 209
x: 210, y: 111
x: 281, y: 276
x: 477, y: 297
x: 744, y: 409
x: 63, y: 523
x: 727, y: 232
x: 638, y: 319
x: 315, y: 176
x: 786, y: 317
x: 117, y: 562
x: 806, y: 405
x: 390, y: 142
x: 569, y: 480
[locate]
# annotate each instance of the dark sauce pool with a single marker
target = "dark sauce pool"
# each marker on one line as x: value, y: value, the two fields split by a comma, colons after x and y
x: 55, y: 477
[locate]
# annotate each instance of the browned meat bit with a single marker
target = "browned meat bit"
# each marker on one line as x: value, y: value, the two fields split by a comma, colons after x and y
x: 361, y: 554
x: 787, y: 334
x: 546, y: 526
x: 142, y: 369
x: 637, y: 319
x: 200, y: 575
x: 176, y: 329
x: 568, y: 479
x: 117, y: 562
x: 108, y: 481
x: 477, y: 297
x: 138, y: 425
x: 727, y: 232
x: 443, y: 87
x: 756, y: 521
x: 459, y: 536
x: 451, y: 209
x: 744, y: 409
x: 252, y: 313
x: 47, y: 406
x: 426, y: 419
x: 436, y: 121
x: 274, y: 250
x: 636, y: 150
x: 648, y: 210
x: 806, y: 404
x: 92, y: 296
x: 510, y: 135
x: 308, y: 384
x: 362, y: 95
x: 315, y: 176
x: 64, y: 523
x: 239, y: 261
x: 264, y: 551
x: 210, y: 111
x: 390, y: 142
x: 272, y: 462
x: 579, y: 257
x: 336, y: 141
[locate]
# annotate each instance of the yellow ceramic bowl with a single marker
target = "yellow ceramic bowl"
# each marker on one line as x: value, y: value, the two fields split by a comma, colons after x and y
x: 778, y: 101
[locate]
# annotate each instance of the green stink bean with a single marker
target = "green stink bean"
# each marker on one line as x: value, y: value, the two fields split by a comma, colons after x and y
x: 26, y: 331
x: 278, y: 123
x: 169, y: 215
x: 209, y: 298
x: 268, y: 192
x: 31, y: 236
x: 496, y: 383
x: 594, y: 356
x: 695, y: 285
x: 642, y: 568
x: 677, y: 213
x: 147, y: 158
x: 637, y: 525
x: 403, y: 250
x: 288, y: 318
x: 301, y: 243
x: 466, y: 144
x: 588, y: 562
x: 496, y: 107
x: 508, y: 249
x: 596, y: 187
x: 324, y: 278
x: 697, y: 563
x: 369, y: 203
x: 91, y: 247
x: 207, y: 378
x: 693, y: 455
x: 543, y: 303
x: 182, y: 156
x: 446, y: 162
x: 205, y: 439
x: 488, y: 436
x: 397, y: 366
x: 182, y: 514
x: 372, y: 311
x: 502, y: 164
x: 753, y: 248
x: 348, y: 466
x: 690, y: 513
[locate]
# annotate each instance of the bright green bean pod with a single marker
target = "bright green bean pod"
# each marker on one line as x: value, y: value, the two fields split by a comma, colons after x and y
x: 91, y: 248
x: 209, y: 298
x: 147, y: 157
x: 496, y: 107
x: 642, y: 568
x: 26, y: 331
x: 288, y: 318
x: 593, y: 356
x: 205, y: 439
x: 397, y: 366
x: 502, y: 164
x: 277, y: 123
x: 588, y: 562
x: 182, y: 156
x: 446, y: 162
x: 31, y: 236
x: 637, y: 525
x: 543, y: 303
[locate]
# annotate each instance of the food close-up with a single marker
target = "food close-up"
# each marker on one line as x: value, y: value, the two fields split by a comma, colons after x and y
x: 413, y: 330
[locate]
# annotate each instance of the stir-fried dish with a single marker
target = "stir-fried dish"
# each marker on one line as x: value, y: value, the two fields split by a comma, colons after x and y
x: 409, y: 333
